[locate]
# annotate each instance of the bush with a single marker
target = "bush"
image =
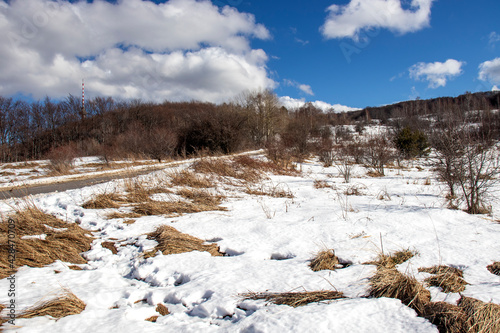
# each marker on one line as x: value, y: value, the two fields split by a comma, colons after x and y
x: 411, y: 143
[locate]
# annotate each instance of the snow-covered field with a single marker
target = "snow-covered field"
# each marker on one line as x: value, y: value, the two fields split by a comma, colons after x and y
x: 269, y: 243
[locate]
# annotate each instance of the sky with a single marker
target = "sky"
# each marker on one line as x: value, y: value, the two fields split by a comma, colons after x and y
x: 341, y: 54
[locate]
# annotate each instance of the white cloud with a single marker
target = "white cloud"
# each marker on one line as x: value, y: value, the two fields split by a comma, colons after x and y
x: 306, y: 89
x: 178, y: 50
x: 437, y: 73
x: 493, y: 38
x: 490, y: 71
x: 495, y: 88
x: 302, y: 87
x: 350, y: 20
x: 294, y: 104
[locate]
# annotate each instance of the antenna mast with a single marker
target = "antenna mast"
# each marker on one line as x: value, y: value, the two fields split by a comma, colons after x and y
x: 83, y: 113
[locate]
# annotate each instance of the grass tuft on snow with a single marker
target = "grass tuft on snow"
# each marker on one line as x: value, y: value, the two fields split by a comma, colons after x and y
x: 295, y: 299
x: 65, y: 304
x: 389, y: 282
x: 481, y: 317
x: 448, y: 278
x: 325, y: 260
x: 51, y: 239
x: 171, y: 241
x: 494, y: 268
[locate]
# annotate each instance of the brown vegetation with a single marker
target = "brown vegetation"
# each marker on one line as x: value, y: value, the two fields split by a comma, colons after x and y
x: 325, y: 260
x: 295, y: 299
x: 448, y: 278
x: 494, y: 268
x: 65, y: 304
x: 62, y: 241
x: 171, y: 241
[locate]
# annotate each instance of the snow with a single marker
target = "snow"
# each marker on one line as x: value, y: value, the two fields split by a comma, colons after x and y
x: 269, y: 243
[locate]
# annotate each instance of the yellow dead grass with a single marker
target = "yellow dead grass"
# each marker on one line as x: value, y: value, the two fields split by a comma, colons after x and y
x: 447, y: 278
x: 324, y: 260
x: 64, y: 304
x: 295, y: 299
x: 171, y: 241
x: 51, y: 239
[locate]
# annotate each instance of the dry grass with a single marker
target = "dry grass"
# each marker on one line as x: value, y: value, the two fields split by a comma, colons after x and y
x: 374, y: 174
x: 276, y: 191
x: 174, y: 208
x: 318, y: 184
x: 141, y: 190
x: 65, y: 304
x: 263, y: 166
x: 202, y: 197
x: 190, y: 179
x: 494, y: 268
x: 227, y: 170
x: 295, y: 299
x: 63, y: 241
x: 162, y: 309
x: 325, y: 260
x: 389, y: 282
x: 122, y: 215
x: 447, y: 317
x: 103, y: 201
x: 355, y: 189
x: 110, y: 246
x: 152, y: 319
x: 390, y: 261
x: 481, y: 317
x: 171, y: 241
x: 445, y: 277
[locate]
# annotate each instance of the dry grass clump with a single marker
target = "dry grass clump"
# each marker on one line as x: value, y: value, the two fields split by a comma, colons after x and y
x: 325, y: 260
x: 103, y: 201
x: 494, y: 268
x: 227, y: 170
x: 295, y: 299
x: 447, y: 317
x: 481, y: 317
x: 171, y: 241
x: 374, y: 174
x: 445, y: 277
x: 162, y: 309
x: 65, y: 304
x: 318, y: 184
x: 263, y: 166
x: 139, y: 191
x: 122, y: 215
x: 203, y: 197
x: 110, y: 246
x: 152, y: 319
x: 173, y: 208
x: 190, y: 179
x: 390, y: 261
x: 389, y: 282
x: 63, y: 241
x: 276, y: 191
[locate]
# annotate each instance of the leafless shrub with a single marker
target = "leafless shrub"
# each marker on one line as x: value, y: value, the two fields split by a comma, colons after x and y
x: 61, y: 159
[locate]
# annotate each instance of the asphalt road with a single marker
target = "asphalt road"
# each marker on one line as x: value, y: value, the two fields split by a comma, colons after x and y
x: 64, y: 186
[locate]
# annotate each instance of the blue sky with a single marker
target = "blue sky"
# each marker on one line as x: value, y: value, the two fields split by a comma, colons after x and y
x: 354, y: 53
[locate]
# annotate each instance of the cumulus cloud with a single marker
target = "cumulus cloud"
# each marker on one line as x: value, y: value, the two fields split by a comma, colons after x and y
x: 490, y: 71
x: 437, y: 73
x: 294, y: 104
x: 302, y: 87
x: 358, y: 15
x: 177, y: 50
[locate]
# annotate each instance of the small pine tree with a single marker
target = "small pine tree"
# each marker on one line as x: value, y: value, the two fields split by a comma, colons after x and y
x: 411, y: 143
